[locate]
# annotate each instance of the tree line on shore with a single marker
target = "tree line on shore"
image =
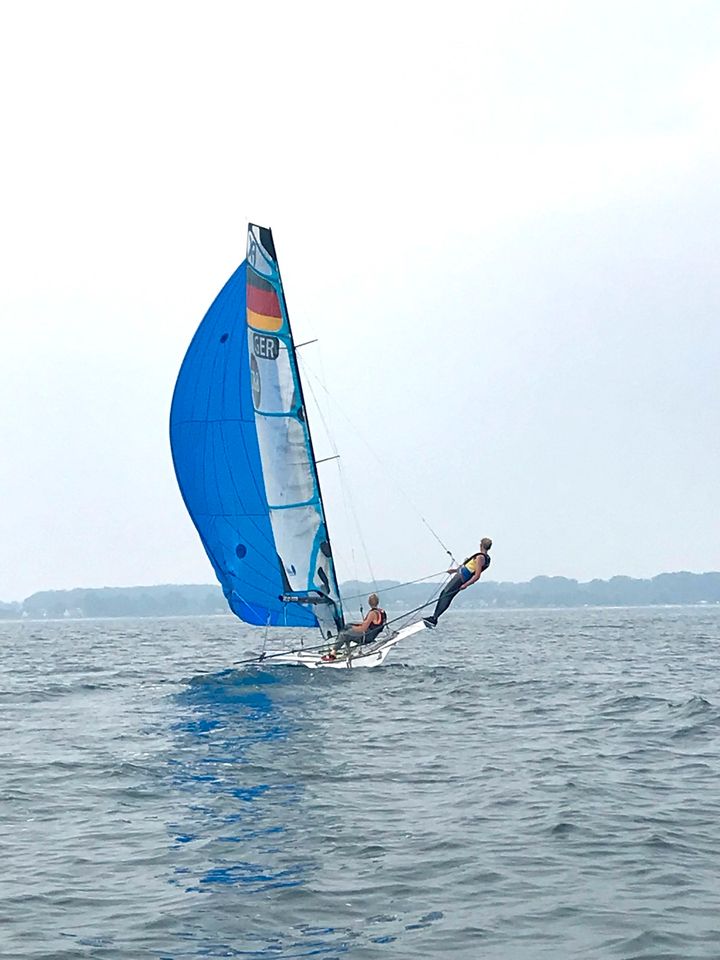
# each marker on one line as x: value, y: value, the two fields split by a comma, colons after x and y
x: 199, y: 600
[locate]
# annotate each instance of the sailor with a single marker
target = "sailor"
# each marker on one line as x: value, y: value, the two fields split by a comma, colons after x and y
x: 465, y: 575
x: 365, y: 632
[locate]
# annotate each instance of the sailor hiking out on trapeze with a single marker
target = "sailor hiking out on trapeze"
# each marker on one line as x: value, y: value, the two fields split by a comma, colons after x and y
x: 465, y: 575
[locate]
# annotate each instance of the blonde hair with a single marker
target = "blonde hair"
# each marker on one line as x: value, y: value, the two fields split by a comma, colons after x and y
x: 373, y: 600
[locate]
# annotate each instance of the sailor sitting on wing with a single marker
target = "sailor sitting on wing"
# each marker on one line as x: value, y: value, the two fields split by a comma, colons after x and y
x: 365, y: 632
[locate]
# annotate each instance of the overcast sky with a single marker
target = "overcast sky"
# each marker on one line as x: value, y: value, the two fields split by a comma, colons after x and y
x: 501, y: 221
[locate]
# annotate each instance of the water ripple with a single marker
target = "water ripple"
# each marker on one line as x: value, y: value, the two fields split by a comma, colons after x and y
x: 519, y: 784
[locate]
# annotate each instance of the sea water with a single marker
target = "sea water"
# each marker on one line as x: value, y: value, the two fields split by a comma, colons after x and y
x: 514, y: 784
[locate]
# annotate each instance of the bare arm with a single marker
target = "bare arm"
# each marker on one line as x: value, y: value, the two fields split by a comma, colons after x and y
x: 478, y: 571
x: 369, y: 621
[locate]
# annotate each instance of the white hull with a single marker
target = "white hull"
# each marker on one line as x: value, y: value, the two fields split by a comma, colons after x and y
x: 371, y: 655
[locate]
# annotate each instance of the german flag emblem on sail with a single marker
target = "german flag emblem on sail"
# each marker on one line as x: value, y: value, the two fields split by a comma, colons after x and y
x: 263, y: 306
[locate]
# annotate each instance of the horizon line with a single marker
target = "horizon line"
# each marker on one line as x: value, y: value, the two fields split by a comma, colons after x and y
x: 370, y: 583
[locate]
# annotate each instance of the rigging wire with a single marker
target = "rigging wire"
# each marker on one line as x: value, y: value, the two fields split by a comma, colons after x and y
x: 408, y: 583
x: 344, y: 484
x: 343, y: 489
x: 432, y: 599
x: 333, y: 446
x: 310, y: 373
x: 437, y: 588
x: 347, y: 487
x: 322, y: 646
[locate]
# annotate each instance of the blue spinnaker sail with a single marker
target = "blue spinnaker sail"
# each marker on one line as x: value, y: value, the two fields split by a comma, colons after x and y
x: 213, y: 436
x: 244, y: 458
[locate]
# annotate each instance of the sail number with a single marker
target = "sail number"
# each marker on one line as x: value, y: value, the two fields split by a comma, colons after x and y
x: 267, y: 347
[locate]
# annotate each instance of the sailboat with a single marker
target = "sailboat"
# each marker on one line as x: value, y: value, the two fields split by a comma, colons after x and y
x: 244, y: 461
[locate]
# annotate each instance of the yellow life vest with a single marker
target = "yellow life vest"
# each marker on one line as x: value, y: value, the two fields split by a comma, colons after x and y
x: 471, y: 563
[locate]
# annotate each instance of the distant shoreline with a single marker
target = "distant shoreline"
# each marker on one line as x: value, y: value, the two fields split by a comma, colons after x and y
x: 702, y: 605
x: 181, y: 600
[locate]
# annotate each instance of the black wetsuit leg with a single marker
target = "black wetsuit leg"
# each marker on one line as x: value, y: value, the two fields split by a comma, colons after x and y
x: 346, y: 637
x: 447, y: 596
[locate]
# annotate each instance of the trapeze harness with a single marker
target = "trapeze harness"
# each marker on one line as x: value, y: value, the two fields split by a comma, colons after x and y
x: 469, y: 567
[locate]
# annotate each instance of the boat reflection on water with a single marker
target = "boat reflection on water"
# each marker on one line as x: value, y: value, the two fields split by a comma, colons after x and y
x: 237, y: 793
x: 242, y: 840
